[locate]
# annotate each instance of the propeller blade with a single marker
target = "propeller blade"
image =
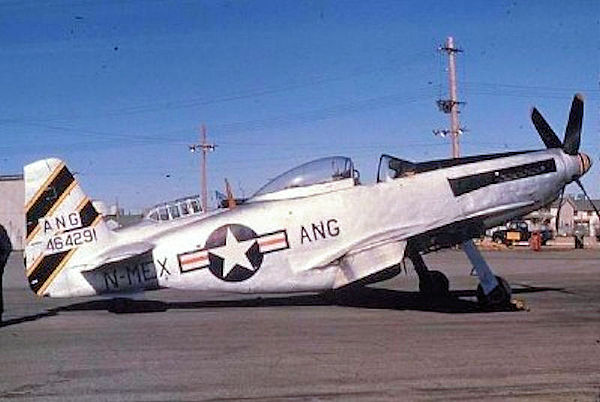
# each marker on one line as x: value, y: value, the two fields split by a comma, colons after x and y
x: 548, y: 135
x: 573, y: 131
x: 560, y: 204
x: 588, y: 197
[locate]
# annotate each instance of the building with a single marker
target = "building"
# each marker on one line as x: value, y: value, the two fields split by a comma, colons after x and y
x: 12, y: 215
x: 585, y: 217
x: 567, y: 215
x: 575, y: 213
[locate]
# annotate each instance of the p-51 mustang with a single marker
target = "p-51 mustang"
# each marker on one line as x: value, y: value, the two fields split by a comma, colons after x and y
x: 313, y: 228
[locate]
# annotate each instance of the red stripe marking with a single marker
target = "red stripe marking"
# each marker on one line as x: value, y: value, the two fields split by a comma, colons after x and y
x: 272, y: 241
x: 194, y: 259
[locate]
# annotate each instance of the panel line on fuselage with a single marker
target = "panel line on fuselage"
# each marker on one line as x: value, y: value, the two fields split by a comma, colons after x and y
x: 472, y: 182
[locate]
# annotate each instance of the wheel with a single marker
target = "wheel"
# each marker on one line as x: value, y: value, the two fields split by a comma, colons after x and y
x: 498, y: 297
x: 434, y: 283
x: 498, y: 240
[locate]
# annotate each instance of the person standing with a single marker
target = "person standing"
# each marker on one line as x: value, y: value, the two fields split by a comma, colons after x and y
x: 5, y: 249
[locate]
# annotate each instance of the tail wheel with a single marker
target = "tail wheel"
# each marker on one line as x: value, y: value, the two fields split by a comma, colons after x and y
x: 498, y: 297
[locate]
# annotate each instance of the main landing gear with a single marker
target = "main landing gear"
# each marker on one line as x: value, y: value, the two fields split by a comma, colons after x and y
x: 492, y: 291
x: 498, y: 297
x: 431, y: 283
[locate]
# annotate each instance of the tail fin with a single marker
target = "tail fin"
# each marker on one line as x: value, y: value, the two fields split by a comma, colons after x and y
x: 61, y: 220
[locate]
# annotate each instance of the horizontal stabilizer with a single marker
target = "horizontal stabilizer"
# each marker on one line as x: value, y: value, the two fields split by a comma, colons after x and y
x: 120, y: 253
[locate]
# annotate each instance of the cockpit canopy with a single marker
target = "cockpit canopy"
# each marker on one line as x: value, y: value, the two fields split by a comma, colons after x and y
x: 176, y: 209
x: 319, y: 171
x: 391, y: 168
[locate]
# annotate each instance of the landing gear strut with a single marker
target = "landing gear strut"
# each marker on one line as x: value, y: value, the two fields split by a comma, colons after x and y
x: 492, y: 291
x: 431, y: 283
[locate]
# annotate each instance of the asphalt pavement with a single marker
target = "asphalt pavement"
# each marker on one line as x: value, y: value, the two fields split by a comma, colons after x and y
x: 384, y: 343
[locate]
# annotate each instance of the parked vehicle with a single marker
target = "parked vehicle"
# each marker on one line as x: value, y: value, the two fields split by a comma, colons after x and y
x: 514, y: 232
x: 518, y: 231
x: 547, y: 234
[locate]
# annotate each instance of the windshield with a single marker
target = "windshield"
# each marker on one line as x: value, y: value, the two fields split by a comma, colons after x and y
x: 319, y: 171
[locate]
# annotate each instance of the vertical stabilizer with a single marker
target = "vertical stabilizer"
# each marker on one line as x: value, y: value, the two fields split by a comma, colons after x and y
x: 61, y: 221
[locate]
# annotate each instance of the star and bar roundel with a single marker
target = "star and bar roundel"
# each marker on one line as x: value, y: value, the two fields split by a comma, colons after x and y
x: 233, y: 252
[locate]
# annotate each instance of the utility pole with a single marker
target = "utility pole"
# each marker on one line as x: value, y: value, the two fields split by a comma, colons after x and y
x: 450, y: 106
x: 205, y: 147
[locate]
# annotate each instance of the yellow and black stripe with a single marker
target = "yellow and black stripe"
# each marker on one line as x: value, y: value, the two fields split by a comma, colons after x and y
x: 47, y: 267
x: 48, y: 197
x: 88, y: 214
x: 85, y: 208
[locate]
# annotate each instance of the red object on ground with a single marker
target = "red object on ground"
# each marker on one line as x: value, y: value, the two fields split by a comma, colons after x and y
x: 535, y: 241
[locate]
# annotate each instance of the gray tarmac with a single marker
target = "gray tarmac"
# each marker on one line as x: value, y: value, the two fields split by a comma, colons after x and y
x: 385, y: 343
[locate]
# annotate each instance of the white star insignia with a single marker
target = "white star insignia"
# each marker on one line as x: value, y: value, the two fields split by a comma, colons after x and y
x: 233, y: 253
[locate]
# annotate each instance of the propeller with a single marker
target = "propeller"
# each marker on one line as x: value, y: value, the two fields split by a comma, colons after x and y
x: 548, y: 135
x: 588, y: 197
x: 573, y: 130
x: 570, y: 144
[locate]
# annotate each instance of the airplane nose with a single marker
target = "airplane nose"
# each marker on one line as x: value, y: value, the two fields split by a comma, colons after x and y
x: 585, y: 163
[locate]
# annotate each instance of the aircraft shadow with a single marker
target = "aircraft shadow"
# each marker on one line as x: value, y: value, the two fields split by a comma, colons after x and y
x: 366, y: 297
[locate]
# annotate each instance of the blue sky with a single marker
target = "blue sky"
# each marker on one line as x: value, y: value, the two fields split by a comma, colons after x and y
x: 118, y: 89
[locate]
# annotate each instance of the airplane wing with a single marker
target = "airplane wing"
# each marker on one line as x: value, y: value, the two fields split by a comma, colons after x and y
x: 358, y: 260
x: 368, y: 260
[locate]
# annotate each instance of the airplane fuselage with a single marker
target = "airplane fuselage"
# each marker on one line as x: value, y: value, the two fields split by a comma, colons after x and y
x: 323, y: 241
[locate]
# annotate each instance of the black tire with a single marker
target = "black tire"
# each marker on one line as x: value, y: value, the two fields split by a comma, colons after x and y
x: 434, y: 284
x: 500, y: 296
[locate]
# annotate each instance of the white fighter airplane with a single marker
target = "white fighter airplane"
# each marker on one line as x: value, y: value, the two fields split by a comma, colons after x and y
x: 314, y: 228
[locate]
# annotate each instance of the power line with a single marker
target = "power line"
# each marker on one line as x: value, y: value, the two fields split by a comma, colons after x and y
x: 534, y: 87
x: 243, y: 127
x: 234, y: 96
